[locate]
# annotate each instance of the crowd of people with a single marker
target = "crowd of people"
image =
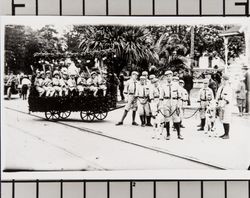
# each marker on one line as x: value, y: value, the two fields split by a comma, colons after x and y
x: 69, y: 80
x: 160, y: 101
x: 19, y: 83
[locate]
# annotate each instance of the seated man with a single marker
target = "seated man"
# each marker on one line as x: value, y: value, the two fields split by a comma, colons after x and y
x: 57, y: 90
x: 47, y: 84
x: 39, y: 83
x: 64, y: 83
x: 81, y: 83
x: 72, y: 85
x: 102, y: 82
x: 92, y: 82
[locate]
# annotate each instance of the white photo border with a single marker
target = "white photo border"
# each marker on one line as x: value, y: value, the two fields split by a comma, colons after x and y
x: 113, y: 175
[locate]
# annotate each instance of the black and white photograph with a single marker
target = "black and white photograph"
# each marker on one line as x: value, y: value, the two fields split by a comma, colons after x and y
x: 119, y: 94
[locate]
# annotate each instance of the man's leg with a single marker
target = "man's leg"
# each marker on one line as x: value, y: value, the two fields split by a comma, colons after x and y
x: 203, y: 120
x: 121, y: 94
x: 142, y: 120
x: 247, y: 102
x: 226, y: 131
x: 167, y: 126
x: 148, y: 112
x: 133, y: 118
x: 177, y: 125
x: 123, y: 117
x: 189, y: 102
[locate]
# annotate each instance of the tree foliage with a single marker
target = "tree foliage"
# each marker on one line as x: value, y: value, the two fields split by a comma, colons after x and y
x: 132, y: 47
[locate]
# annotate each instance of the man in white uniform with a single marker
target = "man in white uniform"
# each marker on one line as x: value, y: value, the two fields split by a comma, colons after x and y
x: 204, y: 97
x: 142, y: 95
x: 130, y: 90
x: 224, y: 100
x: 171, y: 97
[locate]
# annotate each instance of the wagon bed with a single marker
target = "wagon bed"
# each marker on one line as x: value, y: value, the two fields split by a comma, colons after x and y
x: 90, y: 107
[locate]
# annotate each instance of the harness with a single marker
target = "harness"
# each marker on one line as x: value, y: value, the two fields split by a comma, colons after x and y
x: 199, y: 109
x: 165, y: 116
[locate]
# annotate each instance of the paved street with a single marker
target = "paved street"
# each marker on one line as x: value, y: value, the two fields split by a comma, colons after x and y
x: 32, y: 143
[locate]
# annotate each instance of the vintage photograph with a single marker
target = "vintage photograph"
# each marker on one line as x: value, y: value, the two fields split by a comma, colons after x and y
x: 109, y: 96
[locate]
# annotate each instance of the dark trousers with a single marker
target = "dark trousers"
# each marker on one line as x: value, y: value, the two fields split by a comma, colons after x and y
x: 188, y: 102
x: 247, y: 107
x: 121, y: 92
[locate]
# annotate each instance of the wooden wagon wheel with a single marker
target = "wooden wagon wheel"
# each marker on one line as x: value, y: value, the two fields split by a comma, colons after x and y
x: 101, y: 115
x: 52, y: 115
x: 64, y: 114
x: 87, y: 115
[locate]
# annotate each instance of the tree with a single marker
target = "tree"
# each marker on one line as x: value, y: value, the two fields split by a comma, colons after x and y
x: 130, y: 44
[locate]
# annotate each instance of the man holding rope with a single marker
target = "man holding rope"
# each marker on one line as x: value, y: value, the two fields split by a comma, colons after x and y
x: 204, y: 97
x: 224, y: 100
x: 129, y: 91
x: 170, y: 96
x: 142, y: 95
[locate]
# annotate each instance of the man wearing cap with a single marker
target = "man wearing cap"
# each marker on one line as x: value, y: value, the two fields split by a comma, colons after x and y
x: 154, y: 96
x: 81, y: 83
x: 142, y: 96
x: 72, y: 85
x: 224, y: 100
x: 184, y: 98
x: 130, y: 91
x: 145, y: 74
x: 175, y: 80
x: 47, y: 84
x: 63, y: 82
x: 205, y: 95
x: 170, y: 95
x: 56, y: 84
x: 92, y: 82
x: 151, y: 78
x: 148, y: 85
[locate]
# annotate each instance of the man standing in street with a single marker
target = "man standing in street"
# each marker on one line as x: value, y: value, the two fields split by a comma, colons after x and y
x: 121, y: 85
x: 142, y: 96
x: 148, y: 85
x: 204, y: 97
x: 247, y: 84
x: 188, y: 81
x: 170, y: 96
x: 184, y: 98
x: 224, y: 100
x: 129, y: 91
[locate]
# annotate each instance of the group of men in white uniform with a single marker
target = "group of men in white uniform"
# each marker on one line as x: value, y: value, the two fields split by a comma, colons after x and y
x: 165, y: 100
x: 69, y: 81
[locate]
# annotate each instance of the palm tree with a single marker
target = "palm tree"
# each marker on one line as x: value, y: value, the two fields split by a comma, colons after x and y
x: 130, y: 44
x: 172, y: 46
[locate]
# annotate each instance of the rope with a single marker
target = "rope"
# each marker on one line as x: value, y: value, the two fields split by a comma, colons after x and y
x: 170, y: 114
x: 192, y: 114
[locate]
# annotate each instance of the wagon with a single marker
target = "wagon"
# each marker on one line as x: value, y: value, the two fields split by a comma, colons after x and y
x: 60, y: 107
